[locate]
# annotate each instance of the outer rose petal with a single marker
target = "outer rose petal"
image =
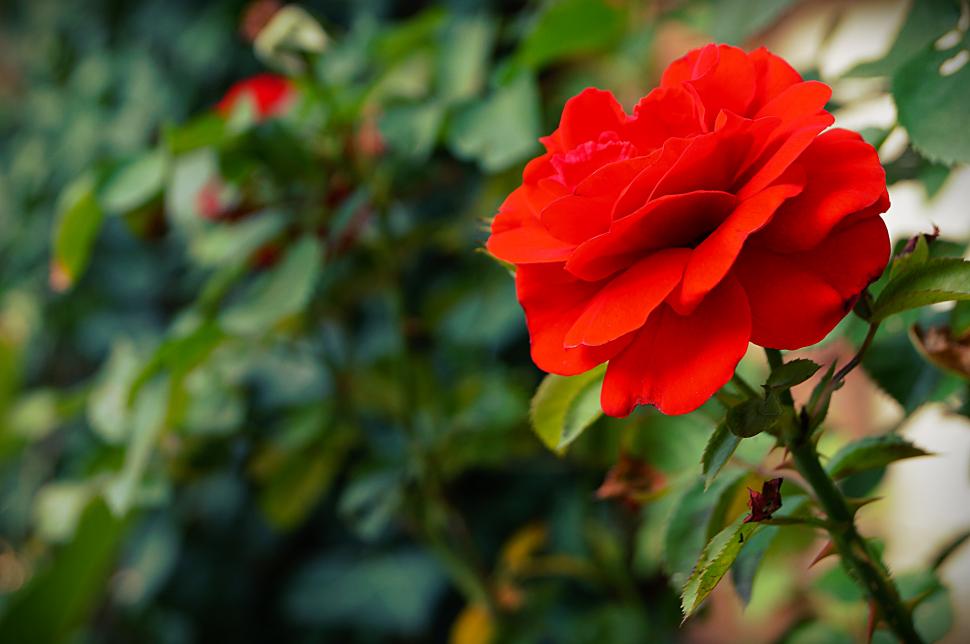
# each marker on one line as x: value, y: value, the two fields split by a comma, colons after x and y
x: 797, y: 298
x: 529, y: 244
x: 625, y: 303
x: 774, y: 76
x: 844, y: 177
x: 553, y: 300
x: 677, y: 362
x: 665, y: 113
x: 584, y: 117
x: 723, y: 76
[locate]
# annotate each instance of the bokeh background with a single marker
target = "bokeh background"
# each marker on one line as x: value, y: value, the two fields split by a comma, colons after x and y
x: 305, y: 417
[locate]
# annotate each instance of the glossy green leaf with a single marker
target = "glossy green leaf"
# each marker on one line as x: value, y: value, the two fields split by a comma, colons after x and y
x: 870, y: 453
x: 571, y: 28
x: 937, y: 280
x: 718, y: 452
x: 78, y: 222
x: 715, y: 560
x: 932, y: 91
x: 501, y: 129
x: 565, y: 406
x: 281, y: 293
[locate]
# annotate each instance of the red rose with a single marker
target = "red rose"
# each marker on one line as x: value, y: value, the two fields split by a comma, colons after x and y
x: 270, y: 94
x: 716, y: 215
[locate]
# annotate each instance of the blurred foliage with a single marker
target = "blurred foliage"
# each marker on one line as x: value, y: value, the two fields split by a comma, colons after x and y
x: 255, y: 383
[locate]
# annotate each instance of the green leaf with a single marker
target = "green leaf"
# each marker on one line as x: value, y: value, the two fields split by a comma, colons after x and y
x: 686, y: 529
x: 905, y: 262
x: 280, y: 294
x: 228, y: 243
x: 960, y: 319
x: 716, y: 559
x: 870, y: 453
x: 734, y: 20
x: 937, y: 280
x: 792, y: 373
x: 463, y: 57
x: 571, y: 28
x: 60, y: 596
x: 107, y: 405
x: 205, y: 131
x: 132, y: 184
x: 932, y: 91
x: 821, y: 397
x: 78, y: 221
x: 565, y: 406
x: 927, y: 20
x: 719, y: 450
x: 754, y: 416
x: 412, y: 130
x: 148, y: 418
x: 502, y: 129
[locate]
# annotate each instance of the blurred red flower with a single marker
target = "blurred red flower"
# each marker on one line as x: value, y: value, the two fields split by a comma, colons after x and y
x: 717, y: 214
x: 271, y: 95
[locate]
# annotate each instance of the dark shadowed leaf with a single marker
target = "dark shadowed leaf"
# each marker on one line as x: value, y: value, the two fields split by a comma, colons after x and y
x: 792, y: 373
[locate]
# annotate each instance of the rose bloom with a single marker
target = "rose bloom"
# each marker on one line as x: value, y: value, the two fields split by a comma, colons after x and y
x: 719, y: 213
x: 270, y: 94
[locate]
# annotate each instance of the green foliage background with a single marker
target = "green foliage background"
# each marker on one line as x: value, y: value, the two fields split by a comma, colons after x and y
x: 197, y: 447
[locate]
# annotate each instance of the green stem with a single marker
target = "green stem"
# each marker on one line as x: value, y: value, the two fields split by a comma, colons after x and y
x: 856, y: 555
x: 851, y: 546
x: 775, y: 361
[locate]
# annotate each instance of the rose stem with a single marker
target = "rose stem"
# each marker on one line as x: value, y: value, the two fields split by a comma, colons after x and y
x: 852, y: 547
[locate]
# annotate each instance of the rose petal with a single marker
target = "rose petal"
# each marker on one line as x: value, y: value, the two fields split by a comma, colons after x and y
x: 671, y: 221
x: 677, y: 362
x: 665, y: 113
x: 773, y: 74
x: 584, y: 118
x: 797, y: 298
x: 843, y: 177
x: 723, y: 76
x: 713, y: 258
x: 528, y: 244
x: 625, y: 303
x: 553, y: 300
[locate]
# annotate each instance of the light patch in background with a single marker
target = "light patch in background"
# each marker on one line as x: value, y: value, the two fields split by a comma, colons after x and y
x: 911, y: 212
x: 865, y: 31
x: 927, y: 507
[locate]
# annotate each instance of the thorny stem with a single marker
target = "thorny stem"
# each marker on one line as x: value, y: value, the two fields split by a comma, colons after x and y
x: 854, y: 550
